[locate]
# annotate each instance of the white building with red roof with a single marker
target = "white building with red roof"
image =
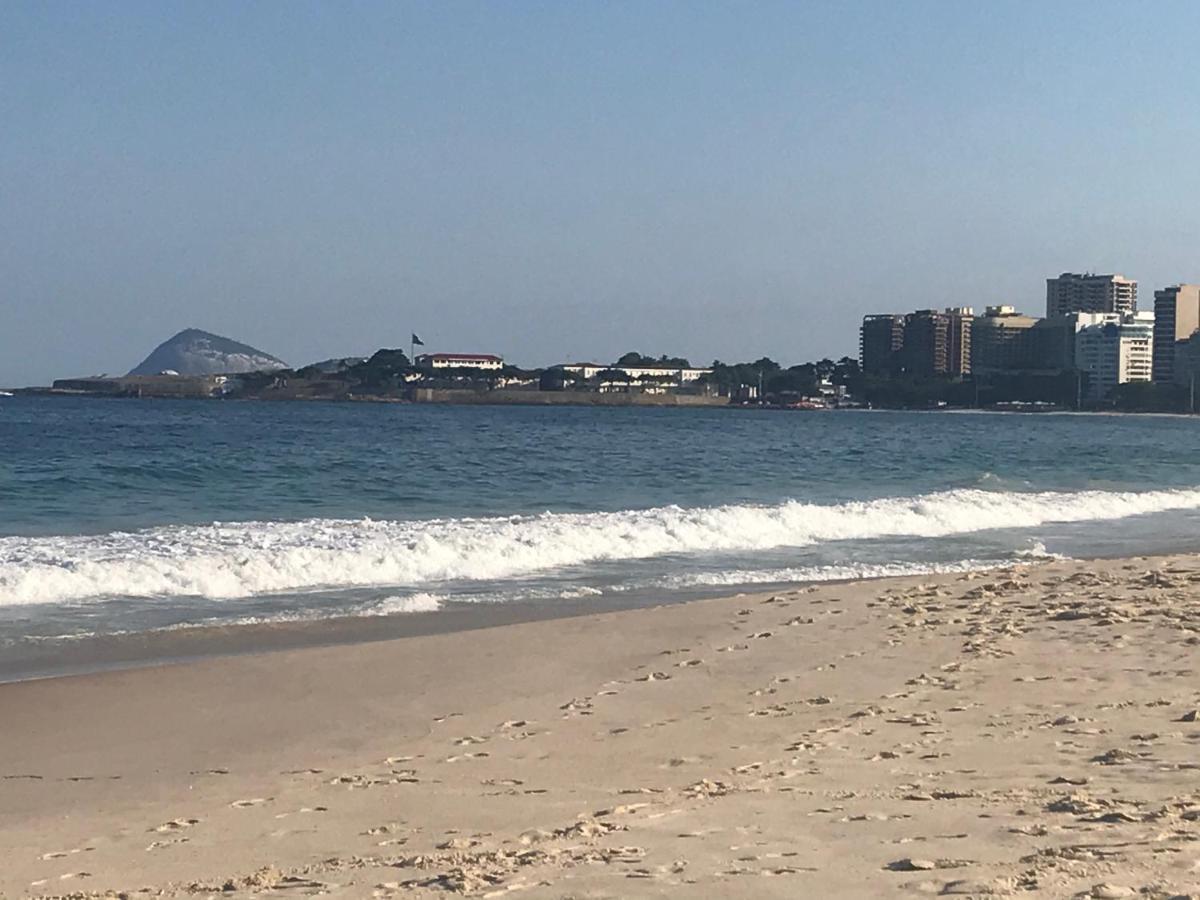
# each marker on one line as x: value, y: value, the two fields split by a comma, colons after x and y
x: 460, y: 361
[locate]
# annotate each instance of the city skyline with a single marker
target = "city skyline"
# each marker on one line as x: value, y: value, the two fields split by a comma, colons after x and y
x: 958, y: 361
x: 1093, y: 330
x: 561, y: 183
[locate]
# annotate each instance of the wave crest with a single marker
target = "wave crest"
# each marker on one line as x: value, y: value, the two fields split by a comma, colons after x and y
x: 225, y: 561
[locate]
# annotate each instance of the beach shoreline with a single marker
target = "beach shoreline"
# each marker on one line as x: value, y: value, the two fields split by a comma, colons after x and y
x: 1029, y: 729
x: 181, y: 645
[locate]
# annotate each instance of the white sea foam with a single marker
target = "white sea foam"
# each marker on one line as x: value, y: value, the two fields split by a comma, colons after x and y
x: 414, y: 603
x: 226, y: 561
x: 1037, y: 550
x: 578, y: 592
x: 797, y: 574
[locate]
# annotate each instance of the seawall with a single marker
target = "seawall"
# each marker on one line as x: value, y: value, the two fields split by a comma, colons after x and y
x: 562, y: 398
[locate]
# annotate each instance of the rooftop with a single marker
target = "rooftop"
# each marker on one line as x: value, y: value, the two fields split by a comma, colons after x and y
x: 487, y: 356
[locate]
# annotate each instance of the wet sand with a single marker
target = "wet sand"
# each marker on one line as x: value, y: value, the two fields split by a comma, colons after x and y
x: 1029, y: 731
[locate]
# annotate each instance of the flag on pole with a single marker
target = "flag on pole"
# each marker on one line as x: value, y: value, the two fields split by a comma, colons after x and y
x: 417, y: 342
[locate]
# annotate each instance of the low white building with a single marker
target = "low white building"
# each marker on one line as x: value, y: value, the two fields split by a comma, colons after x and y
x: 675, y: 375
x: 682, y: 375
x: 484, y: 361
x: 1114, y: 348
x: 585, y: 370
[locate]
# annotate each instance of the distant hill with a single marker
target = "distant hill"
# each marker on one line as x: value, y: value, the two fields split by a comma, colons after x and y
x: 196, y: 352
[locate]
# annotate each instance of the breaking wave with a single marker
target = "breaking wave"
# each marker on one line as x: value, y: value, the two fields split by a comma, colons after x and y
x: 227, y: 561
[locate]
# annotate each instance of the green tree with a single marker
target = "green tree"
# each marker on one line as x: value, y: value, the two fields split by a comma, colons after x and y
x: 635, y: 360
x: 383, y: 371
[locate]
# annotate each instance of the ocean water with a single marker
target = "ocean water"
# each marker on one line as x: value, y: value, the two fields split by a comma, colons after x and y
x: 134, y: 517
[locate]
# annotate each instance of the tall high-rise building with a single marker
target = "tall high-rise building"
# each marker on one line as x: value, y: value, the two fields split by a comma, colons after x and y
x: 879, y: 343
x: 926, y: 349
x: 937, y: 343
x: 1089, y: 293
x: 962, y: 342
x: 925, y: 342
x: 1176, y: 318
x: 1187, y: 365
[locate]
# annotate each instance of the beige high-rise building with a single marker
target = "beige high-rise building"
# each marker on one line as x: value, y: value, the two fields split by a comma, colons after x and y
x: 1176, y: 318
x: 1090, y: 293
x: 1000, y: 341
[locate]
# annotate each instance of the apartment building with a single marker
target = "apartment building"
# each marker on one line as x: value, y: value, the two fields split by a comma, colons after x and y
x: 925, y: 342
x: 1001, y: 341
x: 1176, y: 319
x: 1113, y: 349
x: 961, y: 340
x: 1088, y: 293
x: 879, y: 341
x: 937, y: 343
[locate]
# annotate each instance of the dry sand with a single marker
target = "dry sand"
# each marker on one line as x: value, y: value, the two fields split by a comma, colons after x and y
x: 1027, y: 732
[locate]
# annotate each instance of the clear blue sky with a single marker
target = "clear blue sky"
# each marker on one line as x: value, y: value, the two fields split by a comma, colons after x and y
x: 565, y: 180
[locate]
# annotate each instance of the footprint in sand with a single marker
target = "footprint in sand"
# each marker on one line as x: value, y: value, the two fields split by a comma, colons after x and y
x: 925, y: 865
x: 174, y: 825
x: 255, y: 801
x: 160, y: 845
x: 303, y: 810
x: 60, y: 854
x: 654, y: 676
x: 461, y: 756
x: 688, y: 663
x: 457, y: 843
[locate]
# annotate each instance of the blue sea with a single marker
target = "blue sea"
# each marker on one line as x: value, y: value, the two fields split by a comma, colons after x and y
x: 135, y: 517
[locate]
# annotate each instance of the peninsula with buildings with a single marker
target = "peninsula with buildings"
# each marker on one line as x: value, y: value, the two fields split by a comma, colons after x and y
x: 1093, y: 350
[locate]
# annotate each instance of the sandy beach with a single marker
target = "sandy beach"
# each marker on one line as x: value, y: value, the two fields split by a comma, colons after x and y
x: 1028, y: 731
